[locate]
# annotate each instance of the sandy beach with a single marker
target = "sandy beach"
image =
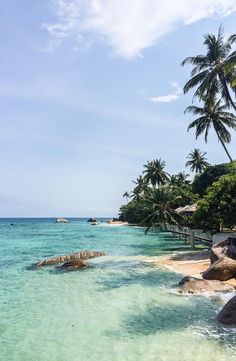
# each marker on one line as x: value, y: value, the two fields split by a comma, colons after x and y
x: 190, y: 263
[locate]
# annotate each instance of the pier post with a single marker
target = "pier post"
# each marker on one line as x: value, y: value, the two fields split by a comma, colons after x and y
x: 192, y: 239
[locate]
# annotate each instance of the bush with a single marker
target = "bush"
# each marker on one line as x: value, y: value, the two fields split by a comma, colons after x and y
x: 211, y: 175
x: 217, y: 209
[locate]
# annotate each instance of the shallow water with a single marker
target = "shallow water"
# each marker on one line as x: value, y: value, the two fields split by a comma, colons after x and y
x: 118, y: 309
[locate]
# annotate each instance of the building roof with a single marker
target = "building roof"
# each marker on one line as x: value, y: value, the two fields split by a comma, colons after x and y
x: 187, y: 209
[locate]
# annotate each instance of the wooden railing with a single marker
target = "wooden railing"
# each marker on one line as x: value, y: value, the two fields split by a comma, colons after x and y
x: 190, y: 235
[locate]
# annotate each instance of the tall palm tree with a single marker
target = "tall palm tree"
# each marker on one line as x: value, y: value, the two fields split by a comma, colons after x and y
x: 214, y: 72
x: 160, y: 207
x: 197, y: 161
x: 154, y: 172
x: 126, y: 195
x: 213, y: 114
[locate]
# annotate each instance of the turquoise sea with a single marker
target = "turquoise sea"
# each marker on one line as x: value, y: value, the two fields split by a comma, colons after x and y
x: 119, y: 309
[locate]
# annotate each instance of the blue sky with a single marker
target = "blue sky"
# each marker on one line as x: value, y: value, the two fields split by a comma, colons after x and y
x: 89, y: 91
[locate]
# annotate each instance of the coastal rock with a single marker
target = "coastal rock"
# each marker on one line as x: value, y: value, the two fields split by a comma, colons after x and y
x: 69, y: 257
x: 226, y: 248
x: 73, y: 265
x: 196, y: 285
x: 223, y: 270
x: 91, y: 220
x: 227, y: 315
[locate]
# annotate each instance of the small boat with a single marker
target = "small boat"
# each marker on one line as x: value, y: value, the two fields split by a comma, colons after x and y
x: 61, y: 220
x: 94, y: 223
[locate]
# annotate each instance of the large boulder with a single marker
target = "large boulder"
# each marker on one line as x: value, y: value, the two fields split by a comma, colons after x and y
x: 226, y: 248
x: 227, y: 315
x: 69, y: 257
x: 223, y: 261
x: 197, y: 285
x: 223, y: 270
x: 73, y: 265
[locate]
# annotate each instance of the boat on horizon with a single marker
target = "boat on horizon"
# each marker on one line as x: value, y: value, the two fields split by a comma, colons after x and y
x: 61, y: 220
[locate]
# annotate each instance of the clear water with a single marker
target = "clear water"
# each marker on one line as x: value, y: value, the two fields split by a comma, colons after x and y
x: 119, y: 309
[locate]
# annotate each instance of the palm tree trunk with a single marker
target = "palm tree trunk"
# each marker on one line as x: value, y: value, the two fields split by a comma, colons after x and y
x: 223, y: 145
x: 223, y: 81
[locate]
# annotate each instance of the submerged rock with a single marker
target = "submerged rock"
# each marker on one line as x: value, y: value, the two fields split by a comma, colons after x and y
x: 197, y: 285
x: 73, y: 265
x: 69, y: 257
x: 227, y: 315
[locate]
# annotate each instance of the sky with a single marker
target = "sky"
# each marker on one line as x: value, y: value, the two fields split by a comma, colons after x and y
x: 90, y: 90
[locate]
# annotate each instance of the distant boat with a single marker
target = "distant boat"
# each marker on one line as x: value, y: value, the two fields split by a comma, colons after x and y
x: 94, y: 223
x: 61, y: 220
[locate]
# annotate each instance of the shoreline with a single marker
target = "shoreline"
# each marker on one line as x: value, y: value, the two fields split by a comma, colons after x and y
x: 187, y: 263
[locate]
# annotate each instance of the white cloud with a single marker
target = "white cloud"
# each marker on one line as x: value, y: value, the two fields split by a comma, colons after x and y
x: 169, y: 97
x: 127, y: 26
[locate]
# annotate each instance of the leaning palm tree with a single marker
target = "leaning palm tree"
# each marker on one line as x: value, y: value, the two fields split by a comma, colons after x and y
x: 213, y: 114
x: 154, y: 172
x: 160, y: 208
x: 214, y: 72
x: 197, y: 161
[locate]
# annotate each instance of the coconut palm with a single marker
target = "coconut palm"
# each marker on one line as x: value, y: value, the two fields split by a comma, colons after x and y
x: 154, y: 172
x: 213, y: 114
x: 160, y: 207
x: 197, y: 161
x: 214, y: 72
x: 179, y: 179
x: 140, y: 188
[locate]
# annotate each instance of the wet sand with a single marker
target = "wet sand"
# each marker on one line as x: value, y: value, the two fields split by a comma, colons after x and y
x: 187, y: 263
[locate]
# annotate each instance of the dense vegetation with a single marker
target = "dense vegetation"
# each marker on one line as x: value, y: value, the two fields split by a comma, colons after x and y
x: 157, y: 194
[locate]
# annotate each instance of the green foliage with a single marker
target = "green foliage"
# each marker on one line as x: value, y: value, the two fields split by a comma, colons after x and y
x: 185, y: 194
x: 134, y: 212
x: 211, y: 175
x: 218, y: 208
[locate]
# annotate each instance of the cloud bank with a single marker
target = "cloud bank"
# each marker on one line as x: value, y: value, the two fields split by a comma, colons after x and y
x: 169, y: 97
x: 127, y: 26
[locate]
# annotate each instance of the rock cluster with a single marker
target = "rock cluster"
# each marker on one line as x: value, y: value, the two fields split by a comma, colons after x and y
x: 223, y: 261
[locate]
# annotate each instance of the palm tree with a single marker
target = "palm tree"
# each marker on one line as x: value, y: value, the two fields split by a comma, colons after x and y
x: 179, y: 179
x: 214, y: 72
x: 155, y: 173
x: 160, y: 207
x: 140, y: 188
x: 197, y: 161
x: 213, y: 114
x: 126, y: 195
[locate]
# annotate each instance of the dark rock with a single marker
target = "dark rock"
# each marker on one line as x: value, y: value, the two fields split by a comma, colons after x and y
x: 69, y: 257
x: 226, y: 248
x: 196, y: 285
x: 227, y: 315
x: 91, y: 220
x: 73, y: 265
